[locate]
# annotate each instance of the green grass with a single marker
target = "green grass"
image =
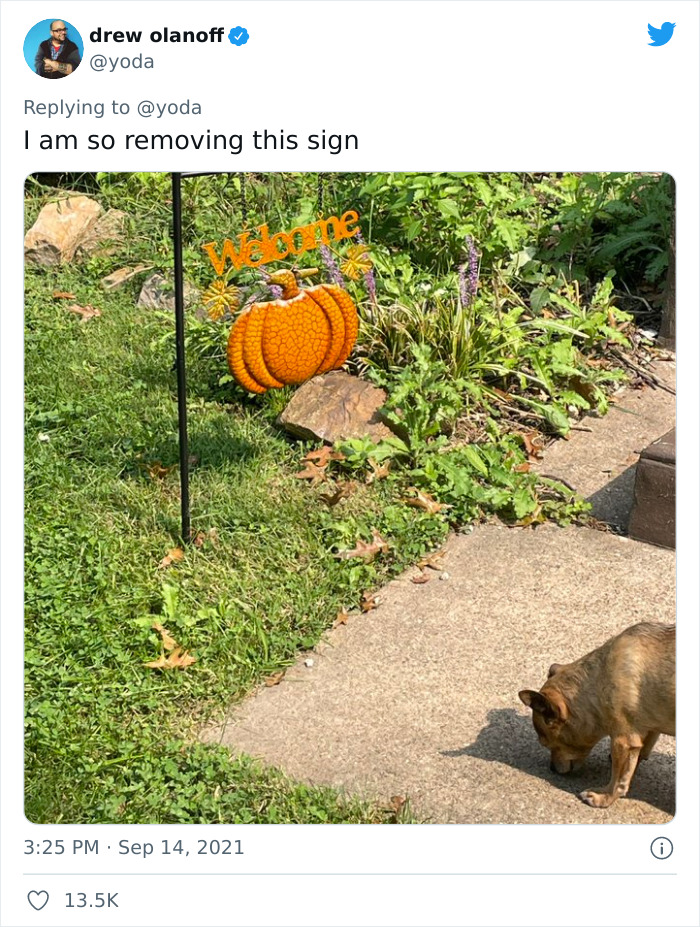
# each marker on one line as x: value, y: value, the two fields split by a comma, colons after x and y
x: 107, y: 738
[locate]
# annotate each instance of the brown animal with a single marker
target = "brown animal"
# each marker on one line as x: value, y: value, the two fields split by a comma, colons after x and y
x: 625, y: 690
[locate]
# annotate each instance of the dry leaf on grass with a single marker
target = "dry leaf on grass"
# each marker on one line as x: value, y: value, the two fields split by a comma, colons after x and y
x: 85, y: 312
x: 423, y: 500
x: 200, y: 537
x: 169, y: 643
x: 322, y: 457
x: 177, y: 659
x: 313, y: 473
x: 342, y: 491
x: 275, y: 679
x: 61, y: 294
x: 367, y: 551
x: 157, y: 471
x: 379, y: 471
x: 522, y: 467
x: 172, y: 655
x: 397, y: 803
x: 506, y: 397
x: 172, y: 556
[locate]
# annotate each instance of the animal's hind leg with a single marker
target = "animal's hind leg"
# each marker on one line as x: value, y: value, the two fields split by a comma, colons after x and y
x: 625, y: 754
x: 648, y: 745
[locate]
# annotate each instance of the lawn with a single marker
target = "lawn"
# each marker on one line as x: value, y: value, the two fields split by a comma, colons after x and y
x: 500, y: 310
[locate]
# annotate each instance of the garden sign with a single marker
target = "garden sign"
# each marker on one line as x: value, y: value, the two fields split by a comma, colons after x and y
x: 298, y: 334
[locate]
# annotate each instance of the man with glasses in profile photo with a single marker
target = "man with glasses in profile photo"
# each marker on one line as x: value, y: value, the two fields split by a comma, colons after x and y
x: 57, y: 56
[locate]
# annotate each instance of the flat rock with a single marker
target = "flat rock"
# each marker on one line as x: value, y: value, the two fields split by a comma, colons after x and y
x: 119, y: 277
x: 334, y: 407
x: 59, y: 230
x: 159, y: 293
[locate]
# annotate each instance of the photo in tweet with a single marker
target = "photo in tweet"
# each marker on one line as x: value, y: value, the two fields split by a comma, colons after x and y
x: 427, y: 573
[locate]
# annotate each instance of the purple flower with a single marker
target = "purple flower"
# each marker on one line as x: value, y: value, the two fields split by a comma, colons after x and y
x: 275, y: 290
x: 332, y: 268
x: 370, y: 282
x: 469, y: 274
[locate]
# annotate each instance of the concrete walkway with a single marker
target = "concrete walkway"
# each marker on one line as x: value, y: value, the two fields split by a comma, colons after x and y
x: 418, y: 698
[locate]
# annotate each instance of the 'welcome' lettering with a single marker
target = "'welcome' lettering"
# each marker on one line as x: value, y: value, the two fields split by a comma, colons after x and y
x: 266, y: 248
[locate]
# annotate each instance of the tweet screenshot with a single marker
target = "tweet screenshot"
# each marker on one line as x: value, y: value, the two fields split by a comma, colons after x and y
x: 342, y: 351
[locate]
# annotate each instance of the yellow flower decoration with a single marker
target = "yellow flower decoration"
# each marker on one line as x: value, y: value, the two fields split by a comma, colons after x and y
x: 219, y: 297
x: 357, y: 262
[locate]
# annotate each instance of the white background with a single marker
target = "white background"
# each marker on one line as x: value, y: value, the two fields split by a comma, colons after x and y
x: 430, y: 86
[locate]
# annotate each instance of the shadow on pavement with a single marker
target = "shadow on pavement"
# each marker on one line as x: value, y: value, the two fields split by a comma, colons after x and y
x: 613, y: 503
x: 509, y: 738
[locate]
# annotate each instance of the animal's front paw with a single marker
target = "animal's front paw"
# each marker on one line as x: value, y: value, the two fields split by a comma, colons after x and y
x: 597, y: 799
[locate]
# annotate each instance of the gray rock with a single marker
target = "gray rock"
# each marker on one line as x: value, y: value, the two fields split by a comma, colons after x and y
x: 334, y: 407
x: 59, y: 230
x: 159, y: 293
x: 104, y: 235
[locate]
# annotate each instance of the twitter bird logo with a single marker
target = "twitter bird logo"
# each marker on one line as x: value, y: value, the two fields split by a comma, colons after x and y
x: 662, y: 35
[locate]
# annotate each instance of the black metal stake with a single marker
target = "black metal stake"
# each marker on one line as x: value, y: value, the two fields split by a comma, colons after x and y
x: 180, y: 360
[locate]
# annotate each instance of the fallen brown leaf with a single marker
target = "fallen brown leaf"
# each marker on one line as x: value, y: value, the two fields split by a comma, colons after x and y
x: 173, y: 555
x: 275, y: 679
x: 432, y: 561
x: 168, y: 642
x: 379, y: 471
x: 421, y: 578
x: 587, y: 390
x: 313, y: 473
x: 157, y: 471
x: 199, y: 537
x: 61, y: 294
x: 522, y: 468
x: 503, y: 395
x: 534, y: 444
x: 397, y: 803
x: 85, y: 312
x: 172, y: 655
x: 367, y: 551
x: 423, y: 500
x: 178, y: 659
x: 323, y: 456
x: 369, y: 601
x: 342, y: 491
x: 341, y: 617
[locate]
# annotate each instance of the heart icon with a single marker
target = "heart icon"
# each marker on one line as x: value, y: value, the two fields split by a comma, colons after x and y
x: 38, y: 900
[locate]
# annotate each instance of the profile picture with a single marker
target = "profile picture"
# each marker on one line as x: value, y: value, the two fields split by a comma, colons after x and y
x: 53, y: 48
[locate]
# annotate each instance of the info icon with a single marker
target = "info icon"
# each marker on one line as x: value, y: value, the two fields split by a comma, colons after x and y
x: 661, y: 848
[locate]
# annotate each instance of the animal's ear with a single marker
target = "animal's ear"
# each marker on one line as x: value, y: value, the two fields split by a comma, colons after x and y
x: 532, y: 699
x: 554, y: 668
x: 550, y: 704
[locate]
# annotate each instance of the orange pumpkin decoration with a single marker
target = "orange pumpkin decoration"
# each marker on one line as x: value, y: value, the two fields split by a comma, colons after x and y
x: 291, y: 339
